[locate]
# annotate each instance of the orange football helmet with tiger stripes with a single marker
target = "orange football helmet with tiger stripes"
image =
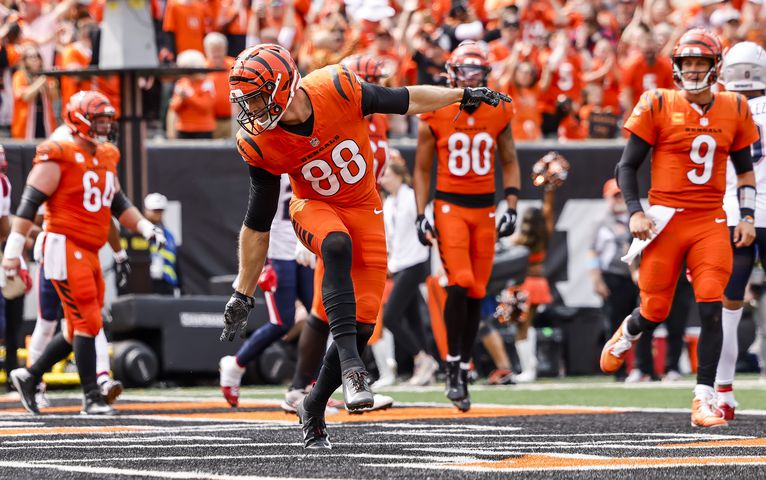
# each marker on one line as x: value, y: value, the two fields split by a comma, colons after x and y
x: 266, y: 72
x: 82, y: 112
x: 369, y: 68
x: 468, y: 66
x: 697, y: 42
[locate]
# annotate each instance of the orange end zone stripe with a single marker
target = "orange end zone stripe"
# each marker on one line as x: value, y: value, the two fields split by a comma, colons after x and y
x: 536, y: 461
x: 747, y: 442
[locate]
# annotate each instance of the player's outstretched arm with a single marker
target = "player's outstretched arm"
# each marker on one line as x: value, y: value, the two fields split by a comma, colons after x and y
x: 427, y: 98
x: 42, y: 181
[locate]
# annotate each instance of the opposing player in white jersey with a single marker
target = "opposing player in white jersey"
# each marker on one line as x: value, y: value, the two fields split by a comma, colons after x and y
x: 283, y: 281
x: 743, y: 71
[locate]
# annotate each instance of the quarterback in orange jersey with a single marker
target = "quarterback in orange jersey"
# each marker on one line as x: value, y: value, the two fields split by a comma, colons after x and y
x: 314, y: 130
x: 464, y: 206
x: 692, y: 133
x: 77, y: 180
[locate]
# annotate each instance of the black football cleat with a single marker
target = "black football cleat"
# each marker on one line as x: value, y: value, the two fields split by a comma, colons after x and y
x: 26, y: 385
x: 356, y: 392
x: 464, y: 404
x: 111, y: 389
x: 315, y: 435
x: 454, y: 389
x: 93, y: 403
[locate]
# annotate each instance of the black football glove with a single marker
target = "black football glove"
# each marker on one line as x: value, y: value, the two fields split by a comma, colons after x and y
x: 121, y: 268
x: 507, y: 223
x: 424, y: 226
x: 473, y: 97
x: 235, y: 316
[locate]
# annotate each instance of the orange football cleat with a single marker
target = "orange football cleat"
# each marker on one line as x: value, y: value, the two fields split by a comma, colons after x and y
x: 703, y: 415
x: 613, y: 354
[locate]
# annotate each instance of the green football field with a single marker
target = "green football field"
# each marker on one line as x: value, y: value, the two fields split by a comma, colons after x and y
x: 580, y: 391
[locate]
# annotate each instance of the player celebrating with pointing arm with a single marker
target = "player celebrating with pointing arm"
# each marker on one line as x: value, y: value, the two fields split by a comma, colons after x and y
x: 77, y: 180
x: 464, y: 208
x: 314, y: 130
x: 692, y: 132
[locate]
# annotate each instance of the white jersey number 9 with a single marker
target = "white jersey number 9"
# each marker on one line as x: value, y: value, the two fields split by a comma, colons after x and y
x: 707, y: 144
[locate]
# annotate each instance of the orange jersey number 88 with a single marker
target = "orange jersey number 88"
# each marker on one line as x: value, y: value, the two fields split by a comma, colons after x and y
x: 318, y: 171
x: 93, y: 199
x: 466, y: 155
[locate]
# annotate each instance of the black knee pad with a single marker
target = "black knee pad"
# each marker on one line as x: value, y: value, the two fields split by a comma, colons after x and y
x: 485, y: 329
x: 336, y: 250
x: 638, y: 324
x: 363, y: 334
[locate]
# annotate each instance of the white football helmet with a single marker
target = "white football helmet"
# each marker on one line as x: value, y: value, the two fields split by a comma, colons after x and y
x: 744, y: 68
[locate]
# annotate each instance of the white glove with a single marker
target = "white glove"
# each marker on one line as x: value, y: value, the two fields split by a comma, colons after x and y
x: 304, y: 256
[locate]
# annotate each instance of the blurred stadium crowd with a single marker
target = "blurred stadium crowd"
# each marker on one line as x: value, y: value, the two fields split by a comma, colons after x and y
x: 572, y: 67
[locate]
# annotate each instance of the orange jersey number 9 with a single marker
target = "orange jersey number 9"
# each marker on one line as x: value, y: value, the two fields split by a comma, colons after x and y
x: 324, y: 181
x: 93, y: 199
x: 466, y: 155
x: 707, y: 144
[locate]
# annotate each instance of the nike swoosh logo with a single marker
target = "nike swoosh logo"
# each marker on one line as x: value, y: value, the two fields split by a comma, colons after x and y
x: 720, y: 220
x: 378, y: 212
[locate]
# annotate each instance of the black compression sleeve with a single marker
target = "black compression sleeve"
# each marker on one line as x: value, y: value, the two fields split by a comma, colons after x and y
x: 264, y: 200
x: 120, y: 203
x: 742, y: 160
x: 632, y: 157
x: 377, y: 99
x: 31, y: 199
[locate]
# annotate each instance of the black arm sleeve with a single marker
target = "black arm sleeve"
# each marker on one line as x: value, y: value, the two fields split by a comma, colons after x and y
x: 264, y: 200
x: 31, y: 199
x: 742, y: 161
x: 120, y: 203
x: 377, y: 99
x: 626, y: 172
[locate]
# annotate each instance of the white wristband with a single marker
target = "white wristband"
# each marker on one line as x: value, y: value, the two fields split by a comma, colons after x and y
x: 120, y: 256
x: 14, y: 245
x: 145, y: 228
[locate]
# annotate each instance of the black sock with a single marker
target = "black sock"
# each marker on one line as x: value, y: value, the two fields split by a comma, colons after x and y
x: 338, y: 297
x: 330, y: 376
x: 638, y: 324
x: 710, y: 342
x: 470, y: 328
x: 455, y: 310
x: 311, y: 349
x: 85, y: 356
x: 58, y: 349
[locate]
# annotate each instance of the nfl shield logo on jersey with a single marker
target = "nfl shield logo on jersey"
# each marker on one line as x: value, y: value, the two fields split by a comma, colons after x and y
x: 314, y: 142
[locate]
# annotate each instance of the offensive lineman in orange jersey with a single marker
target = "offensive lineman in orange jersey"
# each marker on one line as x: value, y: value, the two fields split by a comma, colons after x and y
x: 314, y: 130
x: 692, y: 133
x: 77, y: 180
x: 464, y: 206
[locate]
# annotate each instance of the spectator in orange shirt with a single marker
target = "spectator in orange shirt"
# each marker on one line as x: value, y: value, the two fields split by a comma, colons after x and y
x: 75, y: 56
x: 510, y: 33
x: 520, y: 80
x: 603, y: 71
x: 32, y: 108
x: 186, y: 22
x: 561, y: 75
x: 215, y: 54
x: 193, y: 102
x: 570, y: 126
x: 10, y: 55
x: 644, y: 70
x: 233, y: 16
x: 598, y: 120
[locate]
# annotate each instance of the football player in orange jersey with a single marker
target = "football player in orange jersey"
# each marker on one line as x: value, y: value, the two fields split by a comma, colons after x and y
x: 692, y: 132
x: 311, y: 345
x: 314, y: 130
x: 464, y: 206
x: 78, y: 182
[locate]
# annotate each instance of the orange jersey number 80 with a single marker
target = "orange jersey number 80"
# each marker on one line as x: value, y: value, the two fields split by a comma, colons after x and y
x: 708, y: 144
x: 466, y: 155
x: 93, y: 199
x: 324, y: 181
